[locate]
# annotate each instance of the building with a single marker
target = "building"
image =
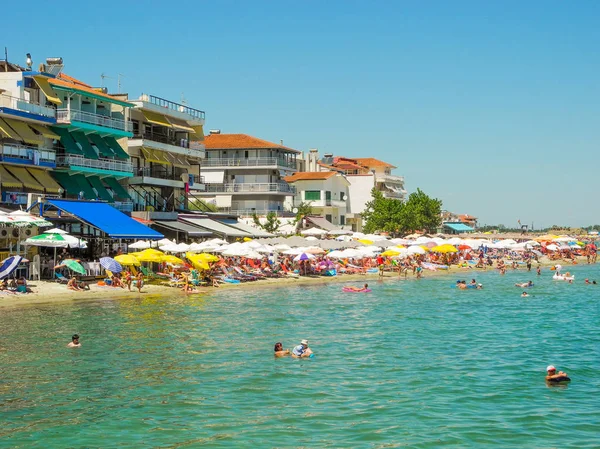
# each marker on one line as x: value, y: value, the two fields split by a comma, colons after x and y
x: 326, y: 192
x: 244, y: 174
x: 166, y: 150
x: 27, y: 153
x: 363, y: 174
x: 457, y: 223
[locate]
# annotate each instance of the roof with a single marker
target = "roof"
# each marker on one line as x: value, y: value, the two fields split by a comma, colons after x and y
x: 459, y: 227
x: 178, y: 226
x: 239, y: 141
x: 68, y: 82
x: 372, y: 162
x: 310, y: 176
x: 109, y: 220
x: 322, y: 223
x: 215, y: 227
x: 244, y: 227
x: 467, y: 217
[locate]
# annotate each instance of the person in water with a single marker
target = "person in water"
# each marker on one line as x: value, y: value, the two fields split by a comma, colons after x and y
x: 74, y: 342
x: 279, y: 351
x: 358, y: 289
x: 553, y: 376
x: 302, y: 350
x: 524, y: 295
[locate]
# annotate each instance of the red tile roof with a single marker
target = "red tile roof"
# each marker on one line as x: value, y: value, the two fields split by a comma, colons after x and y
x: 372, y: 162
x: 240, y: 142
x: 310, y: 176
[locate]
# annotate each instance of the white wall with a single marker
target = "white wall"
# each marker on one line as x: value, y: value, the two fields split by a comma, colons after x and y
x: 8, y: 82
x: 359, y: 192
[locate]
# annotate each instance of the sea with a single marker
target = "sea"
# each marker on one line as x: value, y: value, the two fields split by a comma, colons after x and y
x: 414, y: 363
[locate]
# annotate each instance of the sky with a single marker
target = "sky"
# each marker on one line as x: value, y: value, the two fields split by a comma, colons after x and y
x: 492, y: 107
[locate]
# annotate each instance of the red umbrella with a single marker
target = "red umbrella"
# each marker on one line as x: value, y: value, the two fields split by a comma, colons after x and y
x: 461, y: 247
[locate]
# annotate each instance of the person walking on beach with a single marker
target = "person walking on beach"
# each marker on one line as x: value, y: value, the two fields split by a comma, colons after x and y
x: 74, y: 342
x: 139, y: 279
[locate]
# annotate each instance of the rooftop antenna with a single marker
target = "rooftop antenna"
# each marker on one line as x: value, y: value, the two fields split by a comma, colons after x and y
x: 6, y: 59
x: 119, y: 76
x: 102, y: 76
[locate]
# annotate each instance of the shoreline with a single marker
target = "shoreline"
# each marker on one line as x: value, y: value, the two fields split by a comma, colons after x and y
x: 49, y: 292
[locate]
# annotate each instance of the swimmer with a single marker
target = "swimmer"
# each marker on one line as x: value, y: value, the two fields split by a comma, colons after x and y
x: 554, y: 377
x: 525, y: 284
x: 479, y: 286
x: 279, y: 351
x: 74, y: 342
x: 524, y: 295
x: 357, y: 289
x: 302, y: 350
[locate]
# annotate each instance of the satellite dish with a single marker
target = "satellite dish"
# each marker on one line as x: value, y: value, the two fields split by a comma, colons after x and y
x: 295, y: 210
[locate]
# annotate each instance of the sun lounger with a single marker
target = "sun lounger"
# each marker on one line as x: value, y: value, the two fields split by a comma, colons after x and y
x: 60, y: 278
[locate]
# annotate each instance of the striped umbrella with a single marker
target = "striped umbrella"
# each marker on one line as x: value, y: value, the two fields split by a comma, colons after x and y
x: 9, y: 266
x: 110, y: 264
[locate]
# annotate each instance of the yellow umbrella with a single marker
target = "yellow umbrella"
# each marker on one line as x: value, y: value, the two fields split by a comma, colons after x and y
x: 173, y: 260
x: 127, y: 259
x: 446, y: 248
x: 247, y: 239
x: 149, y: 255
x: 390, y: 253
x: 426, y: 248
x: 198, y: 263
x: 366, y: 242
x: 204, y: 256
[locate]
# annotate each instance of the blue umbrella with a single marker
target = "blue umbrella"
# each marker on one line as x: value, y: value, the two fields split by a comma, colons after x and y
x: 110, y: 264
x: 9, y: 266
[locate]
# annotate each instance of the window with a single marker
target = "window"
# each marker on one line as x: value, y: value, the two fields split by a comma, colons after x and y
x: 246, y: 154
x: 312, y: 195
x: 342, y: 220
x: 342, y: 196
x: 328, y: 195
x: 328, y: 218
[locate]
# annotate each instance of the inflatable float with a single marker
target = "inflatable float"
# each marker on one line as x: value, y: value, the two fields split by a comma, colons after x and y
x: 562, y: 277
x: 559, y: 380
x: 351, y: 290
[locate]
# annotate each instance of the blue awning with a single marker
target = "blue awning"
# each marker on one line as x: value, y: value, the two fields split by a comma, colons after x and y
x: 459, y: 227
x: 109, y: 220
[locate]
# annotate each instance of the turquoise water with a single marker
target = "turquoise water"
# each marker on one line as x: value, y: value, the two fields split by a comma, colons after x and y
x: 412, y: 364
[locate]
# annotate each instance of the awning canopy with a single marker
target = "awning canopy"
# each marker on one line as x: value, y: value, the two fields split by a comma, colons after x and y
x: 7, y: 131
x: 45, y: 131
x: 255, y: 232
x: 459, y: 227
x: 178, y: 226
x: 45, y: 87
x: 67, y: 141
x: 67, y: 182
x: 223, y: 200
x: 156, y: 118
x: 44, y: 178
x: 24, y: 131
x: 322, y: 223
x: 84, y: 186
x: 214, y: 226
x: 8, y: 180
x: 213, y: 177
x: 85, y: 144
x: 118, y: 149
x: 102, y: 192
x: 198, y: 133
x: 25, y: 177
x: 180, y: 125
x: 109, y: 220
x: 117, y: 188
x: 156, y: 156
x: 102, y: 146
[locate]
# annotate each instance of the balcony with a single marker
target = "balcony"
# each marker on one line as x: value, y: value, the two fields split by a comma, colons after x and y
x: 30, y: 107
x: 394, y: 195
x: 162, y: 103
x: 26, y: 155
x: 272, y: 187
x: 165, y: 143
x: 68, y: 116
x: 390, y: 179
x: 267, y: 162
x: 123, y: 206
x: 92, y: 165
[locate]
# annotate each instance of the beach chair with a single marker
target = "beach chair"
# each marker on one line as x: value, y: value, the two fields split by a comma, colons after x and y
x: 60, y: 278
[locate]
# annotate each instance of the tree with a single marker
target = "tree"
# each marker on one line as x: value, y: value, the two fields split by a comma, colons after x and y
x: 271, y: 224
x: 420, y: 212
x: 304, y: 209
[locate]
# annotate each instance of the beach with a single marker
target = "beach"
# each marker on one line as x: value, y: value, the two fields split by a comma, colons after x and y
x: 45, y: 292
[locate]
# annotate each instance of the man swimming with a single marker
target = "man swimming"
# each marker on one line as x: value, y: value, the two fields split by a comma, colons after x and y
x: 554, y: 377
x: 357, y: 289
x: 74, y: 342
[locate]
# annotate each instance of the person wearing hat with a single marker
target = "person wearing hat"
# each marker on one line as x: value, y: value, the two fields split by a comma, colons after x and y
x: 302, y: 350
x: 554, y: 377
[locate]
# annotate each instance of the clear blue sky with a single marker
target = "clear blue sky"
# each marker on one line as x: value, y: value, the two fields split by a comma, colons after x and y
x: 492, y: 107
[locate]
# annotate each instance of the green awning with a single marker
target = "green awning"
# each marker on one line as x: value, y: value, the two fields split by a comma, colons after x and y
x: 82, y: 140
x: 103, y: 148
x: 114, y: 145
x: 67, y: 141
x: 119, y: 190
x: 85, y: 187
x: 102, y: 192
x: 66, y: 182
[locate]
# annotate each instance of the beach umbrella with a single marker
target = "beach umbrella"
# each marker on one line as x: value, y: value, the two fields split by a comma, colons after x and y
x: 127, y: 259
x: 552, y: 247
x: 415, y: 249
x: 303, y: 256
x: 339, y: 232
x: 9, y: 265
x: 72, y: 265
x: 149, y: 255
x: 366, y: 241
x: 204, y: 256
x: 198, y: 262
x: 173, y: 260
x: 110, y: 264
x: 390, y: 253
x: 464, y: 247
x: 444, y: 249
x: 140, y: 244
x: 313, y: 231
x: 55, y: 231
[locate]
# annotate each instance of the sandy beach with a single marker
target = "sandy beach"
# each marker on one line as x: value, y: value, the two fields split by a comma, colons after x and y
x: 44, y: 292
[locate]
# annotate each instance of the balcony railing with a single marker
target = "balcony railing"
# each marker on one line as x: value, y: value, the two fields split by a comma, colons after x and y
x: 123, y: 206
x: 159, y: 172
x: 248, y: 162
x: 70, y: 115
x: 101, y: 164
x: 196, y: 113
x: 29, y: 155
x: 390, y: 178
x: 14, y: 197
x: 6, y: 101
x: 395, y: 195
x: 251, y: 188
